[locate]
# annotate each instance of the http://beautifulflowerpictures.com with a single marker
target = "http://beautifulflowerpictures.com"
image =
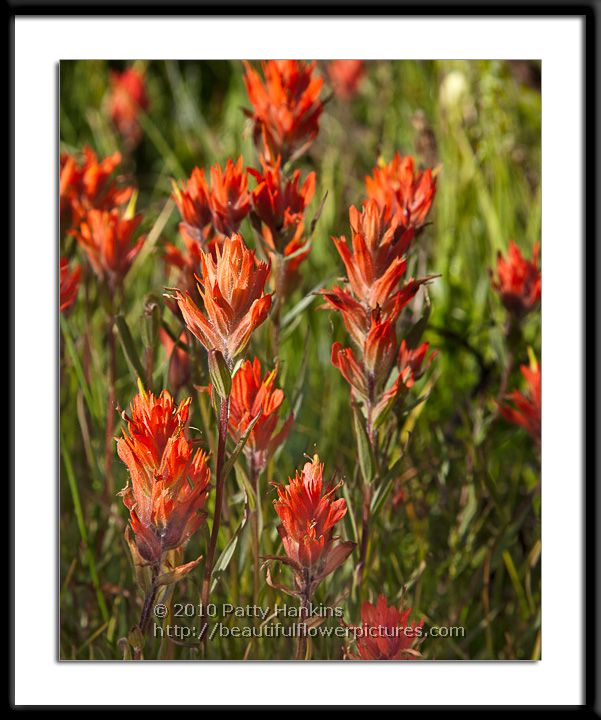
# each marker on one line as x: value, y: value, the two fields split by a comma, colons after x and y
x: 300, y: 360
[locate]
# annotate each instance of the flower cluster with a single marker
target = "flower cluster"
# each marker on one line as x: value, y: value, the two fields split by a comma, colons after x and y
x: 255, y: 400
x: 385, y: 633
x: 108, y: 239
x: 278, y: 207
x: 286, y: 107
x: 308, y: 513
x: 170, y: 482
x: 127, y: 97
x: 518, y: 281
x: 370, y: 305
x: 210, y: 211
x: 232, y: 292
x: 88, y: 185
x: 402, y: 192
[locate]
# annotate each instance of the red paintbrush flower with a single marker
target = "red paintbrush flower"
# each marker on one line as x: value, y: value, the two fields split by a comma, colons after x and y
x: 411, y: 362
x: 88, y: 185
x: 254, y: 396
x: 376, y: 263
x: 345, y: 77
x: 69, y: 283
x: 286, y: 107
x: 309, y: 513
x: 193, y: 199
x: 177, y: 358
x: 230, y: 200
x: 402, y: 192
x: 385, y: 633
x: 127, y: 97
x: 232, y: 292
x: 278, y: 213
x: 169, y: 481
x: 108, y: 240
x: 518, y: 281
x: 526, y: 409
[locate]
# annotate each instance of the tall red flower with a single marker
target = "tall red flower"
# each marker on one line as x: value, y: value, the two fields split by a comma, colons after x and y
x: 69, y: 283
x: 278, y: 207
x: 107, y: 237
x: 385, y: 633
x: 518, y: 281
x: 254, y: 396
x: 345, y: 77
x: 127, y: 97
x: 88, y: 185
x: 525, y: 410
x: 375, y: 263
x: 286, y: 106
x: 232, y: 292
x: 170, y: 482
x: 309, y: 512
x: 401, y: 191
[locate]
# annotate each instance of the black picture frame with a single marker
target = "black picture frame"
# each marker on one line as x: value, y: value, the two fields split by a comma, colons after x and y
x: 590, y: 12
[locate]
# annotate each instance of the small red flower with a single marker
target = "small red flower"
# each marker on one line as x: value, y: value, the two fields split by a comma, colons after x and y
x: 278, y: 213
x: 177, y: 358
x: 69, y: 283
x: 108, y: 240
x: 232, y: 292
x: 401, y: 191
x: 309, y: 513
x: 286, y: 106
x: 345, y: 77
x: 525, y: 409
x: 518, y: 281
x: 229, y: 196
x: 193, y: 199
x: 169, y: 481
x: 385, y: 633
x: 216, y: 209
x: 127, y: 97
x: 88, y: 185
x: 254, y: 396
x: 411, y: 362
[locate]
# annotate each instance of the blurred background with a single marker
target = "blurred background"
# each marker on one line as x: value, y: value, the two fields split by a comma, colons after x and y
x: 459, y: 535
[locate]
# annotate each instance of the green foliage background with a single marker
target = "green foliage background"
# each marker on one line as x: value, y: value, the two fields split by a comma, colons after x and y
x: 463, y: 546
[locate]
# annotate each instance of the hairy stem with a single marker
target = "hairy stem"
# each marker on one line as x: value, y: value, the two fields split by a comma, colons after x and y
x: 219, y: 493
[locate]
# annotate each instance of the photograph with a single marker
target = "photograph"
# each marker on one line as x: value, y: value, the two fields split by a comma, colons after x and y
x: 299, y: 360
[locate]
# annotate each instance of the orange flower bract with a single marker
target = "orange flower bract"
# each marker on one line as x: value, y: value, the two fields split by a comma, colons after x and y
x: 385, y: 633
x: 69, y: 283
x: 309, y: 512
x: 278, y: 214
x: 232, y: 292
x: 254, y: 396
x: 169, y: 480
x: 87, y: 185
x: 286, y: 106
x: 402, y: 192
x: 518, y: 281
x: 108, y: 240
